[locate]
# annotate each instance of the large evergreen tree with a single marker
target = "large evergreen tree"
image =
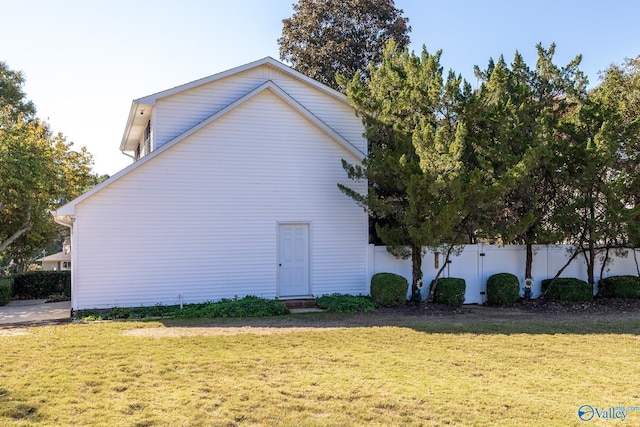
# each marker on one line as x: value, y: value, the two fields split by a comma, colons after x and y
x: 599, y: 207
x: 419, y: 192
x: 516, y: 137
x: 324, y: 38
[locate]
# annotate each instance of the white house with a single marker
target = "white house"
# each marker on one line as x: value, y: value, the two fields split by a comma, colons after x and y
x: 233, y: 192
x: 56, y: 262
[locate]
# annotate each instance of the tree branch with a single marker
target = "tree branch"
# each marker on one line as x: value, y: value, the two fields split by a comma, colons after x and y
x: 25, y: 227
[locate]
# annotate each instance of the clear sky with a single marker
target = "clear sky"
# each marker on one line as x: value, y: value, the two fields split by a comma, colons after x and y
x: 86, y: 60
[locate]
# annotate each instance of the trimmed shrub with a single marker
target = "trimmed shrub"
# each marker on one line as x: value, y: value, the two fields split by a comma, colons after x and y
x: 567, y: 289
x: 620, y: 287
x: 450, y: 291
x: 340, y: 303
x: 6, y: 290
x: 42, y: 284
x: 389, y: 290
x: 503, y: 289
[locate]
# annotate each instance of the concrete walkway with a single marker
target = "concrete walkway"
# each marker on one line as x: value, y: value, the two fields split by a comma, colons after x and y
x: 34, y: 311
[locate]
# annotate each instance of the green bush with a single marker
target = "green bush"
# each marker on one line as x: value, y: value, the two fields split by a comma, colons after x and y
x: 502, y: 289
x: 620, y: 287
x: 6, y: 288
x: 567, y: 289
x: 339, y: 303
x: 249, y: 306
x: 450, y: 291
x: 389, y: 290
x: 41, y: 284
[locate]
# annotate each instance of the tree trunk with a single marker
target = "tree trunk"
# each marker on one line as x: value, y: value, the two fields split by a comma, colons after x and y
x: 605, y: 261
x: 416, y: 273
x: 25, y: 227
x: 575, y: 254
x: 529, y: 261
x: 590, y: 264
x: 434, y: 283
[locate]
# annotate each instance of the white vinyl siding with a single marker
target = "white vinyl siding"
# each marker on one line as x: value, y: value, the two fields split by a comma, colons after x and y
x: 199, y: 221
x: 178, y: 113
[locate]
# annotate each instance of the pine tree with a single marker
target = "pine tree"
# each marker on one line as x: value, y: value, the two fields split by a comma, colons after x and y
x: 418, y: 186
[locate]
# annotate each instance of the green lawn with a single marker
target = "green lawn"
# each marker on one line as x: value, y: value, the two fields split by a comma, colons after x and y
x: 417, y: 372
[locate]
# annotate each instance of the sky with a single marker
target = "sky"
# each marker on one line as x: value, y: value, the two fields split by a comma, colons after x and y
x: 85, y: 61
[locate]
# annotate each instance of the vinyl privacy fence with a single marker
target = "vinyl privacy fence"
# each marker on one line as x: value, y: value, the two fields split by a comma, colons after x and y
x: 475, y: 263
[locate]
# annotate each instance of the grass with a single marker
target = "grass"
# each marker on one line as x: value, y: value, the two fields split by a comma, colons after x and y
x: 424, y: 372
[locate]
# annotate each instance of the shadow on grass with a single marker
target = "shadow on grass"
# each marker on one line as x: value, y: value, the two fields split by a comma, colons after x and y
x: 476, y: 321
x: 15, y: 409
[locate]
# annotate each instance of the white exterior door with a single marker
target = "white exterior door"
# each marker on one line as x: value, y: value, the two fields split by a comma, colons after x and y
x: 293, y: 260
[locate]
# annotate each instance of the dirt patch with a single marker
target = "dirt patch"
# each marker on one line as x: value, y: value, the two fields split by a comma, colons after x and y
x: 213, y: 330
x: 12, y: 332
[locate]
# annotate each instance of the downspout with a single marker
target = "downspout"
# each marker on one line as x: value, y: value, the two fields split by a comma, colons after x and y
x: 67, y: 221
x: 128, y: 155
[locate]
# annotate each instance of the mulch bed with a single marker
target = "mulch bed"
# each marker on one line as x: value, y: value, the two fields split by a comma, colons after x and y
x: 598, y: 306
x: 533, y: 306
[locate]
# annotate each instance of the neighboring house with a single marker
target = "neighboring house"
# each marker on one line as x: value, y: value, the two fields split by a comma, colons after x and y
x: 58, y: 262
x: 233, y: 192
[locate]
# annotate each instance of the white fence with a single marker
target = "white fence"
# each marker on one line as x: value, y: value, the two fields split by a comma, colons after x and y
x: 477, y: 262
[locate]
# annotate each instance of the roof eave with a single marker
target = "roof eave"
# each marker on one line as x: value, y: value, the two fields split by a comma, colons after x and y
x: 137, y: 110
x: 151, y: 99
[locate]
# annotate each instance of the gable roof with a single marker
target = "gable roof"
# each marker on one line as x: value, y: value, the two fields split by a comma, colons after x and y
x: 140, y: 110
x: 60, y: 256
x: 64, y: 214
x: 277, y: 90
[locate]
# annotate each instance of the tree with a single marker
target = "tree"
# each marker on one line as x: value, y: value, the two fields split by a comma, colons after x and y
x: 599, y: 209
x: 418, y: 189
x: 515, y: 125
x: 11, y: 94
x: 38, y: 172
x: 324, y: 38
x: 619, y: 96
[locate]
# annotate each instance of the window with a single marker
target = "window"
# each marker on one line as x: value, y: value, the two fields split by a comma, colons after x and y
x: 147, y: 139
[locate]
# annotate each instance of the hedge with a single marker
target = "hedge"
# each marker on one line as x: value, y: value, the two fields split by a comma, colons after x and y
x: 41, y: 284
x: 450, y: 291
x: 6, y: 288
x: 389, y: 290
x: 567, y: 289
x: 503, y: 289
x: 620, y: 287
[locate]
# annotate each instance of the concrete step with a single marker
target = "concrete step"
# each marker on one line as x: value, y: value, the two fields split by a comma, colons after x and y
x: 300, y: 303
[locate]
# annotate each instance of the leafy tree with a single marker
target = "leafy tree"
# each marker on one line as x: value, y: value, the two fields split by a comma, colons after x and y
x: 515, y: 125
x: 12, y: 97
x: 38, y: 172
x: 324, y: 38
x: 419, y: 192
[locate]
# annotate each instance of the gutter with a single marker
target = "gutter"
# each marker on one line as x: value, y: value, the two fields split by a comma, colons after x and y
x: 66, y: 220
x: 128, y: 155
